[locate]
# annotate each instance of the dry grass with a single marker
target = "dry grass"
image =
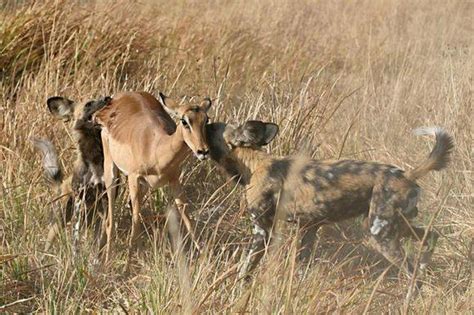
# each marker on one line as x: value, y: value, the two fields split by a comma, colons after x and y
x: 343, y: 79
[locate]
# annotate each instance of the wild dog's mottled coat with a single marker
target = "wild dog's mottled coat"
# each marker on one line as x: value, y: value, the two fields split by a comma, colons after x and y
x: 85, y: 184
x: 314, y: 193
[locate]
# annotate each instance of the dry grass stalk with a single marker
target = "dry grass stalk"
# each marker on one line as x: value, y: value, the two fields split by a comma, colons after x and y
x: 349, y: 79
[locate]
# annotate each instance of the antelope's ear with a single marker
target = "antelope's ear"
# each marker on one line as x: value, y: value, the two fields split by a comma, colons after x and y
x: 169, y: 105
x: 271, y: 130
x: 206, y: 104
x: 61, y: 107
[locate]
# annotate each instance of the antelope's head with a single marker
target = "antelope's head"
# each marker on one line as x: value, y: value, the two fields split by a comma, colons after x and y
x: 193, y: 120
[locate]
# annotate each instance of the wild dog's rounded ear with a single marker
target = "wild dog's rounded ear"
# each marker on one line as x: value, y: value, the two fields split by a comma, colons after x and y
x: 61, y: 107
x: 228, y: 131
x: 168, y: 104
x: 257, y: 133
x: 206, y: 104
x: 271, y: 130
x: 229, y: 134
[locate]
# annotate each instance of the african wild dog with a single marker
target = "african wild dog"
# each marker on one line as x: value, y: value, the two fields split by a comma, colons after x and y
x: 84, y: 188
x: 317, y: 192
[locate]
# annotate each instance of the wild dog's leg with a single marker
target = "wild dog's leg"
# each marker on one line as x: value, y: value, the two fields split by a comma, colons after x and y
x: 57, y: 223
x: 384, y: 225
x: 430, y: 241
x: 390, y: 248
x: 262, y: 209
x: 260, y: 238
x: 181, y: 204
x: 110, y: 174
x: 79, y: 201
x: 307, y: 242
x: 53, y: 230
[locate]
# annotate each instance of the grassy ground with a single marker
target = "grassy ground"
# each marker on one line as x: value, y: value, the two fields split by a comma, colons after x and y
x: 342, y: 79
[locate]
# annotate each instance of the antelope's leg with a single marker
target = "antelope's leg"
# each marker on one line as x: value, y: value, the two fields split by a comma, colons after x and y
x: 136, y: 198
x: 180, y: 200
x: 110, y: 174
x: 100, y: 209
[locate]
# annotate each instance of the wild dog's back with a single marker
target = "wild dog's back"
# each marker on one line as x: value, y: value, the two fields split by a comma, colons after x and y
x: 315, y: 190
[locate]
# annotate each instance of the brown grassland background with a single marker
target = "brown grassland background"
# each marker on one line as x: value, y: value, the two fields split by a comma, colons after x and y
x: 343, y: 79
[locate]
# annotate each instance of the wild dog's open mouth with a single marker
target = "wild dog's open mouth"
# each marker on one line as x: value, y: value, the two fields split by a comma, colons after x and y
x: 92, y: 107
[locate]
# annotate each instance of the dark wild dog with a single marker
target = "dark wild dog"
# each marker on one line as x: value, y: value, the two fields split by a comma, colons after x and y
x: 317, y: 192
x: 84, y: 188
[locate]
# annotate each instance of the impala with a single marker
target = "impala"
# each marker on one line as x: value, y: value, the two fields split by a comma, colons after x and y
x: 142, y: 141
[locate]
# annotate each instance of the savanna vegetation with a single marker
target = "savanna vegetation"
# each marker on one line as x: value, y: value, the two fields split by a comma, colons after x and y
x: 343, y: 79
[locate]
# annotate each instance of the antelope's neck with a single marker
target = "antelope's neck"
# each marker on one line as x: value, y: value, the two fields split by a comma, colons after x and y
x: 171, y: 150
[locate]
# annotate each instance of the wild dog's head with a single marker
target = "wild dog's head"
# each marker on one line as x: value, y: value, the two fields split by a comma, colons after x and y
x: 223, y: 139
x: 252, y: 134
x: 89, y: 159
x: 68, y: 110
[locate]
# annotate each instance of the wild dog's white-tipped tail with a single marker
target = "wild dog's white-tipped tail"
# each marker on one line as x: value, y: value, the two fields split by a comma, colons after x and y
x: 51, y: 167
x: 430, y: 131
x: 439, y: 156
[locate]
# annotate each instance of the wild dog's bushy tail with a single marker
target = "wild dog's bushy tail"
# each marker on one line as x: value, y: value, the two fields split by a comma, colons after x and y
x: 51, y: 167
x: 439, y: 156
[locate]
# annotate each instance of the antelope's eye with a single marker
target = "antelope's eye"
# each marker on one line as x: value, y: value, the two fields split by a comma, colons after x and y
x: 185, y: 123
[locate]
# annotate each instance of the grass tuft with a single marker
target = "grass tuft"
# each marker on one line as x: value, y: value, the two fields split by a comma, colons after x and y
x: 342, y: 79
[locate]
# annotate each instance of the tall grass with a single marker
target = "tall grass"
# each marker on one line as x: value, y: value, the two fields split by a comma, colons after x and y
x: 342, y: 79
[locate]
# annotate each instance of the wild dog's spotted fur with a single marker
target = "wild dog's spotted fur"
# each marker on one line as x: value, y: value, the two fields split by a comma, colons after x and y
x: 85, y: 185
x: 314, y: 193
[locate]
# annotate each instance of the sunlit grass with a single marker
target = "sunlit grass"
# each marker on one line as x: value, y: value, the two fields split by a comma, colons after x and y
x: 342, y: 79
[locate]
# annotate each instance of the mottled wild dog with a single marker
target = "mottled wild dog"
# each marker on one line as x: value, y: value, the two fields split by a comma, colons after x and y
x: 84, y: 187
x: 317, y: 192
x: 142, y: 140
